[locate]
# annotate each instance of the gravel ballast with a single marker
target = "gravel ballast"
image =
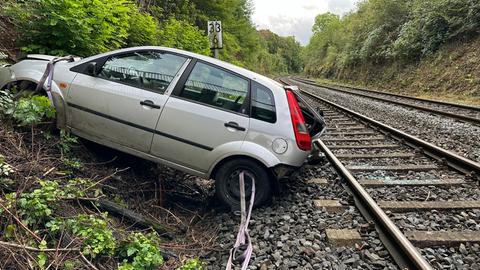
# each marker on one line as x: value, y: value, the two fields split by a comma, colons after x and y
x: 290, y: 234
x: 448, y: 133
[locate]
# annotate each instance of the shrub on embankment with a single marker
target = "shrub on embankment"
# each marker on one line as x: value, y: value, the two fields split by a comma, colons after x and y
x: 426, y: 44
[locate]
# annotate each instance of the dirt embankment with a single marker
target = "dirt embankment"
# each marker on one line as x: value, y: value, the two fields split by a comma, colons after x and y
x: 8, y: 38
x: 453, y: 73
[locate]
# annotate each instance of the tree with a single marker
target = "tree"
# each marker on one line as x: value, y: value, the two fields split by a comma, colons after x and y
x: 182, y: 35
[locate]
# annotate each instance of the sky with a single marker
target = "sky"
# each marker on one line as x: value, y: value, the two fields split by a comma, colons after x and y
x: 295, y: 17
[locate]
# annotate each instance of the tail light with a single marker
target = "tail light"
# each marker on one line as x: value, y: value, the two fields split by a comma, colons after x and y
x: 304, y: 141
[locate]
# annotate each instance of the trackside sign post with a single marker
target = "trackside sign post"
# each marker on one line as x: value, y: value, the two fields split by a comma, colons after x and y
x: 215, y: 36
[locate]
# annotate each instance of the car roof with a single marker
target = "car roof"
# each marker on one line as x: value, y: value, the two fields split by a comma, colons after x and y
x: 273, y: 85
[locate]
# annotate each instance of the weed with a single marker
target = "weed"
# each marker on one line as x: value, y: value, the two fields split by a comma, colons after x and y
x: 31, y: 110
x: 192, y: 264
x: 6, y: 101
x: 34, y: 207
x: 66, y: 141
x: 41, y: 256
x: 97, y: 238
x: 5, y: 168
x: 81, y: 187
x: 140, y: 252
x: 73, y: 164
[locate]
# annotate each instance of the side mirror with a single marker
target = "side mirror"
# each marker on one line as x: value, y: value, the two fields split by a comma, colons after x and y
x: 91, y: 69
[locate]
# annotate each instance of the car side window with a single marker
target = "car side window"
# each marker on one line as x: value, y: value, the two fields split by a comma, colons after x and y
x: 263, y: 103
x: 152, y: 70
x: 216, y: 87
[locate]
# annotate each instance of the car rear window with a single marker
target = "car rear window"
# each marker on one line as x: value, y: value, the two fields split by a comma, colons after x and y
x: 216, y: 87
x: 263, y: 103
x: 152, y: 70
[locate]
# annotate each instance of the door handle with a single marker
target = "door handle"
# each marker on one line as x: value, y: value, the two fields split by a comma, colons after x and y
x: 234, y: 125
x: 150, y: 104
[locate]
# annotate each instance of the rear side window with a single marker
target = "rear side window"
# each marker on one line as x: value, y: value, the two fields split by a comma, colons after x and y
x: 263, y: 103
x: 216, y: 87
x: 152, y: 70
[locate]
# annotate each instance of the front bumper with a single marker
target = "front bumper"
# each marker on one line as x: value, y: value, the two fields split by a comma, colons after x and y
x: 6, y: 76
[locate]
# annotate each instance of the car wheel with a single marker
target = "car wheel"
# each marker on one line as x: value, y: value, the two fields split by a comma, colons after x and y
x: 227, y: 182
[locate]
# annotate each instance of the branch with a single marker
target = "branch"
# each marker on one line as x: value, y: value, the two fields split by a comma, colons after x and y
x: 13, y: 245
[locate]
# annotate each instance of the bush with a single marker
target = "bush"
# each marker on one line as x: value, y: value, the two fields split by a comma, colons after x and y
x: 6, y: 101
x: 380, y: 31
x: 71, y: 26
x: 143, y: 29
x: 97, y: 238
x: 182, y: 35
x: 31, y: 110
x: 140, y: 252
x: 36, y: 206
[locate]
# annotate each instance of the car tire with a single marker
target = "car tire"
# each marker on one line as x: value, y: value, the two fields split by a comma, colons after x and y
x: 227, y: 185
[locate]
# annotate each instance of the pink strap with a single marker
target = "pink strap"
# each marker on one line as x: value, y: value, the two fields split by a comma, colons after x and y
x: 243, y: 237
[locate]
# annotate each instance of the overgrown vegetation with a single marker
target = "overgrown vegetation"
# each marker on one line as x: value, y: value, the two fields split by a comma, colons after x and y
x: 49, y: 202
x: 85, y: 28
x: 382, y: 32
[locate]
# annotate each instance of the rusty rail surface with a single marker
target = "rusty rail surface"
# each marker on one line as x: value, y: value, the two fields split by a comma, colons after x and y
x: 418, y: 107
x: 402, y: 250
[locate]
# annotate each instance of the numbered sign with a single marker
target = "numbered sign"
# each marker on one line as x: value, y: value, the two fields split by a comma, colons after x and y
x: 215, y: 34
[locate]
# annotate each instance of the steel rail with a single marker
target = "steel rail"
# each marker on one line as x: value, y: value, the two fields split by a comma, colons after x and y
x: 462, y: 164
x: 401, y: 249
x: 452, y: 115
x: 445, y: 103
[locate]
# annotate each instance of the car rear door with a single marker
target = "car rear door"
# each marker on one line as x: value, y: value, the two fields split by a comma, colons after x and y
x: 122, y: 101
x: 205, y: 118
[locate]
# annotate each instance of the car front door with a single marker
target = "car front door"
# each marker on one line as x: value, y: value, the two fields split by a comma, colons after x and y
x: 205, y: 117
x: 122, y: 101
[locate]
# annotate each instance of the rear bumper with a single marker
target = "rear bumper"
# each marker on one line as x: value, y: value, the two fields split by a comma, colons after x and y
x: 282, y: 171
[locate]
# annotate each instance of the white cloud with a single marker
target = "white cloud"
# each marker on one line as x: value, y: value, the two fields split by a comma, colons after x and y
x: 295, y: 18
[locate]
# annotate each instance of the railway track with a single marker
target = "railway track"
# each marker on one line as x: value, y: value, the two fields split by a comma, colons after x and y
x: 422, y: 199
x: 461, y: 112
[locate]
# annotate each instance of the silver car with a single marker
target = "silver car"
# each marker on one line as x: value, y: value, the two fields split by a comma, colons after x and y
x: 188, y: 111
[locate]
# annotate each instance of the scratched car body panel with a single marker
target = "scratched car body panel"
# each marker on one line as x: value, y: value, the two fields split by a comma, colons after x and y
x: 184, y: 110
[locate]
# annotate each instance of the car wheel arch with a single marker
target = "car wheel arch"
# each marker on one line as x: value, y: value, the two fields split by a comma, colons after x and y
x: 58, y: 99
x: 219, y: 164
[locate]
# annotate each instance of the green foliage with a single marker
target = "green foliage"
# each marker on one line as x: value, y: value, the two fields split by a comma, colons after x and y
x: 324, y: 22
x: 283, y: 54
x: 89, y: 27
x: 97, y: 237
x: 5, y: 168
x: 192, y: 264
x: 140, y: 252
x: 182, y: 35
x: 81, y: 187
x: 6, y: 101
x: 36, y: 206
x: 31, y: 110
x: 143, y: 29
x: 383, y: 31
x: 72, y: 164
x: 70, y: 26
x: 66, y: 141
